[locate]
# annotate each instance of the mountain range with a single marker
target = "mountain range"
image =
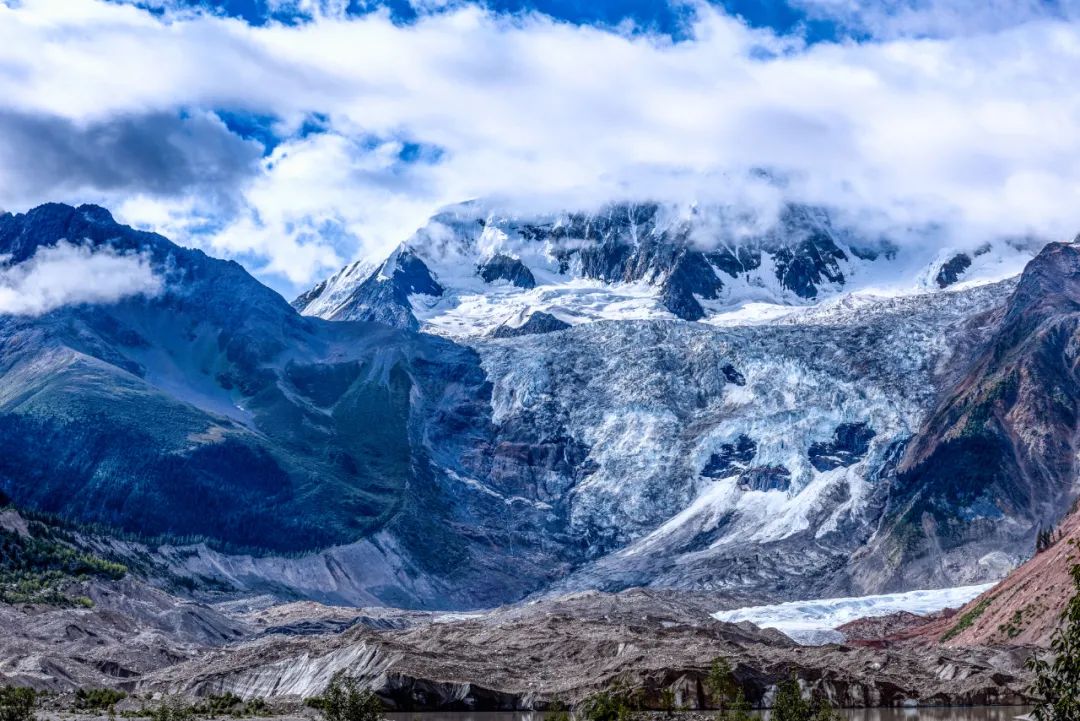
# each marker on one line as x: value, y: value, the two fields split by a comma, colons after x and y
x: 517, y: 405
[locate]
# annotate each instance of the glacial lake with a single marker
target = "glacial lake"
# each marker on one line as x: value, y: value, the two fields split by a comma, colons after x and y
x: 926, y: 713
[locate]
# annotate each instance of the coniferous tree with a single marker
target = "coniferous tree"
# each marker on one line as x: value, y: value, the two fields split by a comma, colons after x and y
x: 1044, y: 540
x: 720, y: 683
x: 789, y: 704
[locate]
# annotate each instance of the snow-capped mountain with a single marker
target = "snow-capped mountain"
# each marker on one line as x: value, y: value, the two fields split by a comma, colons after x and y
x: 475, y: 270
x: 357, y: 462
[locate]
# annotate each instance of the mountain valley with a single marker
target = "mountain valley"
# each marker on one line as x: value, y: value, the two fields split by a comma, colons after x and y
x: 511, y: 421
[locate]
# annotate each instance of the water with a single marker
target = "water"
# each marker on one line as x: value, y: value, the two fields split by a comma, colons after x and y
x: 927, y: 713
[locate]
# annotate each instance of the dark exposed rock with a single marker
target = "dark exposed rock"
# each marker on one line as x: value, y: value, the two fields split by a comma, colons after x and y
x: 411, y: 275
x: 805, y: 251
x: 733, y: 375
x: 692, y: 275
x: 628, y: 244
x: 538, y: 322
x: 871, y: 251
x: 307, y: 297
x: 731, y: 458
x: 503, y: 267
x: 735, y: 262
x: 848, y: 446
x: 685, y: 258
x: 803, y: 268
x: 952, y: 269
x: 766, y: 478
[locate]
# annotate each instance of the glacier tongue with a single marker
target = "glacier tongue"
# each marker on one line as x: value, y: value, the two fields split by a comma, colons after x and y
x: 733, y: 459
x: 815, y: 622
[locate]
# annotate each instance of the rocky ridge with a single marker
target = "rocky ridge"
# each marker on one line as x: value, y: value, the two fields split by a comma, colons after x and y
x: 518, y: 657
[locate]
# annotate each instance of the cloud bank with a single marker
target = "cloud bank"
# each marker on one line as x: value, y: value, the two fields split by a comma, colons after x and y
x: 69, y: 274
x: 366, y: 127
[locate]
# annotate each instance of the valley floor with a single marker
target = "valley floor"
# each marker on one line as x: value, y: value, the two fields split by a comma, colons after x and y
x: 517, y: 657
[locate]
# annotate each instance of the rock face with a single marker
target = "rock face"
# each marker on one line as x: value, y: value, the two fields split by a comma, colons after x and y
x: 131, y: 630
x: 952, y: 269
x: 512, y: 270
x: 382, y: 296
x: 518, y: 657
x: 537, y: 323
x: 731, y: 458
x: 1001, y: 443
x: 142, y: 639
x: 849, y: 444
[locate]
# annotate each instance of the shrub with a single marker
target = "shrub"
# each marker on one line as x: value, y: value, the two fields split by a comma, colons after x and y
x: 38, y: 568
x: 172, y: 710
x: 257, y: 707
x: 98, y: 699
x: 1056, y: 682
x: 968, y: 618
x: 614, y: 704
x: 227, y: 703
x: 1044, y: 540
x: 17, y: 704
x: 557, y: 711
x: 344, y: 700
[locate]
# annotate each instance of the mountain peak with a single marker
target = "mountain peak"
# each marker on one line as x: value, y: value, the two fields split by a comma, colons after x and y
x: 46, y: 225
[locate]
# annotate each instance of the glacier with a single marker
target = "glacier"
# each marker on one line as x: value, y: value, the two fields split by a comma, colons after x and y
x: 814, y: 622
x: 662, y: 451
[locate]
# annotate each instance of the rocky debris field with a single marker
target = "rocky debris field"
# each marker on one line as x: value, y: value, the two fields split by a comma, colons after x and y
x: 523, y: 656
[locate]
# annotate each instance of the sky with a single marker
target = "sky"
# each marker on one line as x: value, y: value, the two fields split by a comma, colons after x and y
x: 297, y: 135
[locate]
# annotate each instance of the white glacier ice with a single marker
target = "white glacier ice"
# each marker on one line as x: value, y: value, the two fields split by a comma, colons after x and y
x: 815, y: 622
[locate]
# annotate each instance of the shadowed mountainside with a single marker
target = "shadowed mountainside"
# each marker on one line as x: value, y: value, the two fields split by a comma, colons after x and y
x: 995, y: 461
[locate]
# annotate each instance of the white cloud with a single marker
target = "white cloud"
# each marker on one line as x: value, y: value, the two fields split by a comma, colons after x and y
x: 69, y: 274
x: 977, y: 131
x: 889, y: 19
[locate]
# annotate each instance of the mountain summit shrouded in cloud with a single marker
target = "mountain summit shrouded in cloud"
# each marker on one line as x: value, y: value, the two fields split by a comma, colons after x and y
x: 300, y: 139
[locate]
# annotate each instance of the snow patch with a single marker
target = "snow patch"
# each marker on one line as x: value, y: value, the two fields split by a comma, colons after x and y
x: 815, y: 622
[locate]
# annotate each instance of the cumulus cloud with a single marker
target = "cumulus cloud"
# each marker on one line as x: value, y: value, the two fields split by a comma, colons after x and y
x: 69, y: 274
x: 972, y: 132
x: 156, y: 154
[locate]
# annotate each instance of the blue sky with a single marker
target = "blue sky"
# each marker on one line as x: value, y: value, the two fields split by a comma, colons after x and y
x: 663, y: 17
x: 812, y: 20
x: 298, y: 136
